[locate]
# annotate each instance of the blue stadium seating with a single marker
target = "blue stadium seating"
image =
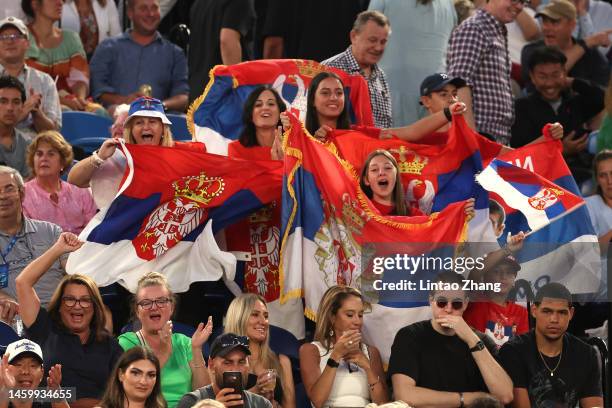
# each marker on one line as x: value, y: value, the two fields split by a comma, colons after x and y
x: 85, y: 129
x: 7, y: 336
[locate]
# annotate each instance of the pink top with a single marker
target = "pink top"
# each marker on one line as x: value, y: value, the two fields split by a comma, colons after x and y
x: 74, y: 208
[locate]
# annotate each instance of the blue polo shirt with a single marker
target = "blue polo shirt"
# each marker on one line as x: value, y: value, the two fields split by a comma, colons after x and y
x: 120, y: 65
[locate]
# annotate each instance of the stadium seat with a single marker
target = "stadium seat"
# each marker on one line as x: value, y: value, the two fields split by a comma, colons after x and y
x: 602, y: 352
x: 85, y: 130
x: 179, y: 127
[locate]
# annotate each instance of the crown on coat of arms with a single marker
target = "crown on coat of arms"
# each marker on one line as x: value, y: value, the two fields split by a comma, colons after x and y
x: 309, y: 69
x: 263, y: 215
x: 201, y: 189
x: 409, y: 161
x: 354, y: 217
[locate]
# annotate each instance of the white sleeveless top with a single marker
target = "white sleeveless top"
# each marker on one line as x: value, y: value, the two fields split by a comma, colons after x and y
x: 349, y: 389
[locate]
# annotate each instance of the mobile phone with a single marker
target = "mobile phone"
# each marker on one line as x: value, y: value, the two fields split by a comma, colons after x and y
x: 233, y: 379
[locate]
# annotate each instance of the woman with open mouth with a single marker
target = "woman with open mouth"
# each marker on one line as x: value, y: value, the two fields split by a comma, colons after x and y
x: 271, y: 374
x: 183, y: 366
x: 146, y: 124
x: 135, y: 382
x: 72, y: 330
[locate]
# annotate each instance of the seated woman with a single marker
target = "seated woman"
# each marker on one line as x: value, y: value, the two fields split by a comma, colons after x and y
x: 135, y: 382
x: 181, y: 359
x: 338, y: 369
x: 259, y: 139
x: 60, y: 54
x: 47, y: 196
x: 71, y: 332
x: 247, y: 315
x: 146, y: 124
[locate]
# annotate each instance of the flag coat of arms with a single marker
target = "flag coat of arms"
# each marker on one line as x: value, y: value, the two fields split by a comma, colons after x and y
x: 162, y: 217
x: 215, y: 118
x: 328, y: 223
x: 564, y: 251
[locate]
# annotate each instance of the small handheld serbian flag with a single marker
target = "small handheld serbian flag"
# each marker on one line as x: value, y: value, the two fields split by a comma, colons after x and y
x: 539, y: 200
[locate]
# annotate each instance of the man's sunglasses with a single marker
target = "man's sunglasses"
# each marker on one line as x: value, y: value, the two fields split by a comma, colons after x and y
x: 456, y: 304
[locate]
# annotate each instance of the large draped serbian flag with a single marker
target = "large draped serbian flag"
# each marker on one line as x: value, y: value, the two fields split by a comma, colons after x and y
x: 562, y: 246
x: 330, y: 229
x: 169, y: 204
x: 436, y: 172
x: 215, y: 118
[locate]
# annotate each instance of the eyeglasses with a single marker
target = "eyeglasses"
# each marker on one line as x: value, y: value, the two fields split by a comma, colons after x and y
x: 523, y: 2
x: 456, y: 304
x: 236, y: 341
x: 9, y: 37
x: 9, y: 190
x: 71, y: 301
x: 148, y: 303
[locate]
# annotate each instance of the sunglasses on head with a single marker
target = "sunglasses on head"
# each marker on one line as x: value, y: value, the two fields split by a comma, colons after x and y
x: 236, y: 341
x: 456, y: 304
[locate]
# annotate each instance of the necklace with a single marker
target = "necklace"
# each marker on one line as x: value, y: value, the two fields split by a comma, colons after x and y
x: 552, y: 372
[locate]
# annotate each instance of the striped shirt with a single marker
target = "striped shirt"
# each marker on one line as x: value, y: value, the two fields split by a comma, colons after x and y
x: 478, y: 53
x: 380, y: 97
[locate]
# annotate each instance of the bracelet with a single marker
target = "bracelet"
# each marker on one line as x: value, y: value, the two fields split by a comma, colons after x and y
x: 193, y: 365
x: 96, y: 160
x: 374, y: 383
x: 461, y: 402
x: 508, y: 251
x: 448, y: 114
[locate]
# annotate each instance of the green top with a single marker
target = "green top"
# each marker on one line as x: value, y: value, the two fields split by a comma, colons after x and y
x: 604, y: 140
x: 176, y: 373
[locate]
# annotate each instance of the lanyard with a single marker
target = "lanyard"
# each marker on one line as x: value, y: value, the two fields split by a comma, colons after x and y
x: 8, y: 249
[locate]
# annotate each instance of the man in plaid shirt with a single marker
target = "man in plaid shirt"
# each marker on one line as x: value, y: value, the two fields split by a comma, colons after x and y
x: 478, y: 53
x: 368, y: 41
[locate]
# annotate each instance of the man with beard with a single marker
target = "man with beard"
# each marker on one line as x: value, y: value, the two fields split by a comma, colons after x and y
x: 229, y: 352
x: 548, y: 366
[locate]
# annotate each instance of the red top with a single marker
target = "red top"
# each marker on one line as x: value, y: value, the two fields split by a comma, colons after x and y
x: 500, y: 323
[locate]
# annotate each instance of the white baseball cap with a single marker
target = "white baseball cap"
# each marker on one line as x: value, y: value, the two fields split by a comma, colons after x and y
x: 15, y: 22
x: 17, y: 348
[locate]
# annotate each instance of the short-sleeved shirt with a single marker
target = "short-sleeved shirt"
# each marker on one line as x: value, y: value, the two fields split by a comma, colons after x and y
x: 120, y: 66
x: 478, y: 53
x: 41, y: 83
x: 66, y: 62
x: 578, y: 375
x: 176, y: 373
x: 32, y: 241
x: 251, y: 400
x: 208, y: 17
x: 15, y: 156
x: 436, y: 361
x: 380, y: 96
x: 73, y: 210
x: 87, y: 367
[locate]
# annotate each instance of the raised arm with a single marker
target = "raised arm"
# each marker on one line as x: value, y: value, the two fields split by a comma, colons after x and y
x: 81, y: 173
x: 427, y: 125
x: 29, y: 303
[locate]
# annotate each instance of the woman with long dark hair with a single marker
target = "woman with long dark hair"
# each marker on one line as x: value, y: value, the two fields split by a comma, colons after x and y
x: 135, y: 382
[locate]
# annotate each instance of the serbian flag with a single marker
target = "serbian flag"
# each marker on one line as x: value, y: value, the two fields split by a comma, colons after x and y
x: 535, y: 189
x: 162, y: 216
x: 436, y: 172
x: 215, y: 118
x: 331, y: 232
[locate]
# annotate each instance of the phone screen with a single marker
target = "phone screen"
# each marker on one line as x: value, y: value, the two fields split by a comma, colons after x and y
x: 233, y: 379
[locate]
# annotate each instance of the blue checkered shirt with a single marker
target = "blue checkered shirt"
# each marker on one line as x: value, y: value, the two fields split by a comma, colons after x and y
x: 380, y: 97
x: 478, y: 53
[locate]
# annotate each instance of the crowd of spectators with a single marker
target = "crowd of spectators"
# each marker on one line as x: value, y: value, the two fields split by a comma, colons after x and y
x: 508, y: 66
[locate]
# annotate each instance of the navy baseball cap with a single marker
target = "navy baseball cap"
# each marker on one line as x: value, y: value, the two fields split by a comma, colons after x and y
x: 149, y: 107
x: 228, y: 342
x: 438, y: 81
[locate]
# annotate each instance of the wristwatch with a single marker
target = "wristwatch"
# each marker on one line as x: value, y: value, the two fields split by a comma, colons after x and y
x: 332, y: 363
x: 479, y: 346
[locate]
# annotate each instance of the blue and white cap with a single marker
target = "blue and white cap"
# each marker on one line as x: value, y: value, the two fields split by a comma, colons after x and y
x: 19, y: 347
x: 148, y: 107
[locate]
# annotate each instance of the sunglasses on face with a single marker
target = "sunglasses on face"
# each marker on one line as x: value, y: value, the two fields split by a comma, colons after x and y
x: 456, y: 304
x: 11, y: 37
x: 523, y: 2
